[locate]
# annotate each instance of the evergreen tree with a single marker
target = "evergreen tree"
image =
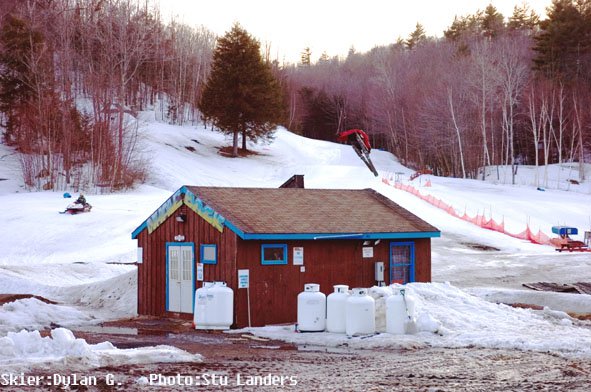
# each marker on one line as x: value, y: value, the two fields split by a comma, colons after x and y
x: 306, y: 57
x: 323, y: 58
x: 564, y: 45
x: 18, y: 42
x: 492, y: 22
x: 416, y: 37
x: 523, y: 18
x: 462, y: 26
x: 241, y: 95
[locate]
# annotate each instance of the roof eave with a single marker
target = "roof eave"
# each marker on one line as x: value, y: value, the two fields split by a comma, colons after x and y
x: 337, y: 236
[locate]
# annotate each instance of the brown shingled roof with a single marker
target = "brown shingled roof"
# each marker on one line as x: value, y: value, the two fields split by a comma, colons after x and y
x: 296, y: 210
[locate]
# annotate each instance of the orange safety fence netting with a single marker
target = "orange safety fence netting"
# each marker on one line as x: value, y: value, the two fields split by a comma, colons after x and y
x: 478, y: 220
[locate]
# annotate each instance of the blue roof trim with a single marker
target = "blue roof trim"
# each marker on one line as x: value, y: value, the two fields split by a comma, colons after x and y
x: 144, y: 224
x: 139, y: 229
x: 235, y: 229
x: 301, y: 236
x: 320, y: 236
x: 196, y: 205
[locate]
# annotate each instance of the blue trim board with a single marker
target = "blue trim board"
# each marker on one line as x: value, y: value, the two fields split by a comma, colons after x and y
x: 139, y: 229
x: 274, y: 262
x: 300, y: 236
x: 144, y: 224
x: 348, y: 236
x: 202, y: 251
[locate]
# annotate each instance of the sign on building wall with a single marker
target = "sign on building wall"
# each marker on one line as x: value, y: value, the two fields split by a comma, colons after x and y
x: 200, y: 272
x: 298, y: 255
x: 243, y: 278
x: 367, y: 251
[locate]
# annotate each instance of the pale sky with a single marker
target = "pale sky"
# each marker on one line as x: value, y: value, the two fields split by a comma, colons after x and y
x: 333, y: 26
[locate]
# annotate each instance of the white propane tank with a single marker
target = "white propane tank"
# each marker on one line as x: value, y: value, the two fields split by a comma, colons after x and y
x: 201, y: 306
x: 336, y: 303
x: 220, y: 306
x: 361, y: 313
x: 398, y: 308
x: 311, y: 309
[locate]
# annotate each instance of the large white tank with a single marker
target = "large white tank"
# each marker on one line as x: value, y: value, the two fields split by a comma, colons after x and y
x: 200, y: 313
x: 311, y: 309
x: 214, y: 306
x: 336, y: 304
x: 220, y: 311
x: 360, y: 309
x: 399, y: 307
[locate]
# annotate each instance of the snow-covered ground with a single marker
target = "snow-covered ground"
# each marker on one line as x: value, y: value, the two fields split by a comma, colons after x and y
x: 447, y: 316
x: 28, y: 350
x: 82, y: 262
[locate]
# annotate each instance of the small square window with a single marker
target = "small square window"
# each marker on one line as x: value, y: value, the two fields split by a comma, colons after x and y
x: 208, y: 253
x: 273, y: 254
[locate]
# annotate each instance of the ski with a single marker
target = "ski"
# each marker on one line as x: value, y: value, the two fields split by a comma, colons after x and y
x: 365, y: 158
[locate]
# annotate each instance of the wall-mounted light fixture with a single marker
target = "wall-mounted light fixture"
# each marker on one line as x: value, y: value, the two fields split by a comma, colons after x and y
x: 366, y: 243
x: 376, y: 242
x: 182, y: 218
x: 179, y: 238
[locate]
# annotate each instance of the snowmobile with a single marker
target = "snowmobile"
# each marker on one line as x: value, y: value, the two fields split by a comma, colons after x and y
x: 76, y: 208
x: 360, y: 143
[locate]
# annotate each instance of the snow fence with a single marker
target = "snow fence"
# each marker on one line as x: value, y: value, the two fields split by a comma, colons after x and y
x: 479, y: 220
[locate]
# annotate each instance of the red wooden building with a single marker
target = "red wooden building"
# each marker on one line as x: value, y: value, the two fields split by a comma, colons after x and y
x: 284, y: 238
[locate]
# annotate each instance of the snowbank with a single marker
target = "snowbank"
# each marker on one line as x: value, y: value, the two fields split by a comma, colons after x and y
x: 31, y: 313
x: 110, y: 299
x: 29, y: 351
x: 449, y: 317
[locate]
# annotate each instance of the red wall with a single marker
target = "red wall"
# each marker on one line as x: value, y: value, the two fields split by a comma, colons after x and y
x: 273, y: 288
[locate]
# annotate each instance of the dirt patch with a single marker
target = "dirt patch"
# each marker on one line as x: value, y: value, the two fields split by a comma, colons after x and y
x: 227, y: 152
x: 483, y: 247
x: 526, y: 306
x: 578, y: 288
x: 232, y: 366
x: 6, y: 298
x: 241, y: 362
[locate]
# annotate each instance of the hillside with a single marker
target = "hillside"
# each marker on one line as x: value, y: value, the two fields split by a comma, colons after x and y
x: 82, y: 261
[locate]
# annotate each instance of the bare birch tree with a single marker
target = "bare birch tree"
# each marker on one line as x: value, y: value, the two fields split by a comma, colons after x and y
x: 513, y: 73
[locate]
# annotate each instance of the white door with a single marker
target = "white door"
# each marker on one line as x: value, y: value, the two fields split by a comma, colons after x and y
x: 180, y: 286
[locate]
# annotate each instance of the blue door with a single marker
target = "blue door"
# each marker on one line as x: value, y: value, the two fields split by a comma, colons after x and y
x: 402, y: 262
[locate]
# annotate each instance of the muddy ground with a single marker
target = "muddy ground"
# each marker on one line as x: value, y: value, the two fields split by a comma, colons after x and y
x: 233, y: 361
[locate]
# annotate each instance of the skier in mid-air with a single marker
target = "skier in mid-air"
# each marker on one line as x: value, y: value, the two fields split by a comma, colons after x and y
x: 359, y: 140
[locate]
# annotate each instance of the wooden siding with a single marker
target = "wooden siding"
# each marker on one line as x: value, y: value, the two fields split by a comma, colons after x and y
x: 152, y: 272
x: 273, y: 288
x: 422, y: 260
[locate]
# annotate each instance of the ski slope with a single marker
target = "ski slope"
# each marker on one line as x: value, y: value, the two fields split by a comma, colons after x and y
x: 83, y: 261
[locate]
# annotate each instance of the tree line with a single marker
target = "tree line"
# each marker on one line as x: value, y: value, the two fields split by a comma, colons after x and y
x: 72, y: 72
x: 491, y: 91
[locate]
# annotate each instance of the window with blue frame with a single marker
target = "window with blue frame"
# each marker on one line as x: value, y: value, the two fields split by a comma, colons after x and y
x: 208, y: 253
x: 272, y: 254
